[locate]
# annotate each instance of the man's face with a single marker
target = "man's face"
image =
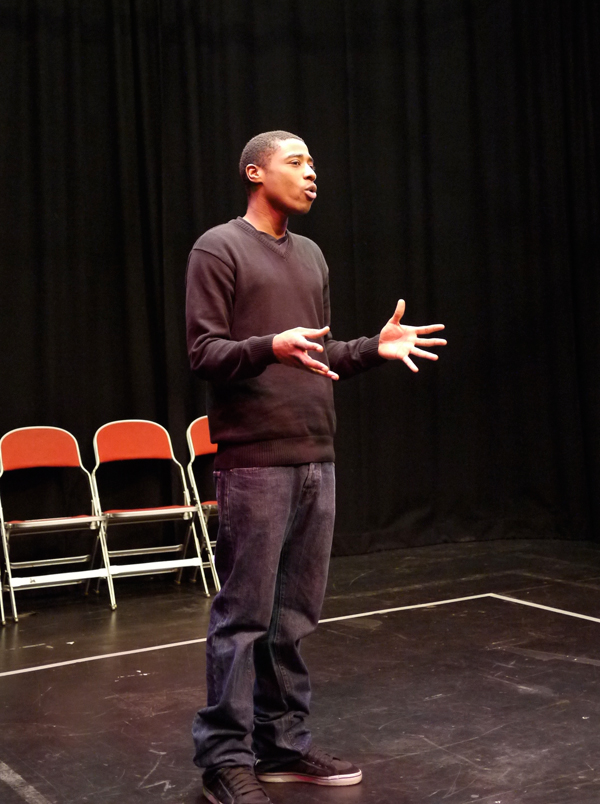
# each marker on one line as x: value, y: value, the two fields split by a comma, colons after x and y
x: 288, y: 179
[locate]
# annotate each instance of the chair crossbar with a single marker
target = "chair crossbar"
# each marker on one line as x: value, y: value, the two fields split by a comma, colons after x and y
x: 50, y: 562
x: 150, y: 567
x: 140, y: 551
x: 58, y: 579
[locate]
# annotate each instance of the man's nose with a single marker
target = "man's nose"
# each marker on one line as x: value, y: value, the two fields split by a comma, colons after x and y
x: 309, y: 173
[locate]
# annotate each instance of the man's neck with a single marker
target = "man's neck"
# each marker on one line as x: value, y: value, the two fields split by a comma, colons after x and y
x: 266, y: 219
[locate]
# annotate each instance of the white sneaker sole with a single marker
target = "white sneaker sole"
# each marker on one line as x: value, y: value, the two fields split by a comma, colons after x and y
x: 344, y: 780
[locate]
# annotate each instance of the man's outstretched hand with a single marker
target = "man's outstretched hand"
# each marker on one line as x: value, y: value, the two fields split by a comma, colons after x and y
x: 398, y: 341
x: 292, y: 346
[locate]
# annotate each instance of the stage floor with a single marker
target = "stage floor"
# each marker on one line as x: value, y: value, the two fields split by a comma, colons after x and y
x: 455, y: 674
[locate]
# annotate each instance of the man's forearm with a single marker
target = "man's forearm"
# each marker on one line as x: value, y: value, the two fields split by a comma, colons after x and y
x: 349, y: 358
x: 221, y: 360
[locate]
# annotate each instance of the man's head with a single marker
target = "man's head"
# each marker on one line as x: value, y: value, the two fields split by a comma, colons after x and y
x: 277, y: 164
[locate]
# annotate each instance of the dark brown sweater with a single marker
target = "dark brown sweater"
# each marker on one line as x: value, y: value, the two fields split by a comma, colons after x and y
x: 244, y: 287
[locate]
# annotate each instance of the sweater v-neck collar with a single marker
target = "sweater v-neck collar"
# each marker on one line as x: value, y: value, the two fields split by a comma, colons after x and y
x: 279, y: 247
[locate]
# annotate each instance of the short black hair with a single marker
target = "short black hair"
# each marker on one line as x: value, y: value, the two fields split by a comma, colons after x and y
x: 258, y: 150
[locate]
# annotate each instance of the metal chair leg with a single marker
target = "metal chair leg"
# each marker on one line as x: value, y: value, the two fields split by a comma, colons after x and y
x: 13, y: 602
x: 2, y: 614
x: 199, y: 554
x: 186, y: 544
x: 208, y: 547
x: 106, y: 559
x: 92, y: 562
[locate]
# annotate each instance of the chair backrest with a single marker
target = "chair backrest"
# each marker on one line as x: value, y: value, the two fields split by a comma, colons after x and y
x: 30, y: 447
x: 198, y: 438
x: 132, y: 439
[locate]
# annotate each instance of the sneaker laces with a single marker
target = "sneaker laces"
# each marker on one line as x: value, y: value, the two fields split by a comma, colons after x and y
x: 241, y: 780
x: 320, y: 757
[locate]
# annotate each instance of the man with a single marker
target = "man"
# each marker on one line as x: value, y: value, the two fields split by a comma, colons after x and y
x: 258, y: 331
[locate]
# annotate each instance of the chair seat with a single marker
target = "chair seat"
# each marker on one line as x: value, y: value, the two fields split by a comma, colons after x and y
x: 160, y: 513
x: 79, y: 522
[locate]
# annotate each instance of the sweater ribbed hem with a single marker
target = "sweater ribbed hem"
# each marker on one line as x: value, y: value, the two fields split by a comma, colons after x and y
x: 279, y: 452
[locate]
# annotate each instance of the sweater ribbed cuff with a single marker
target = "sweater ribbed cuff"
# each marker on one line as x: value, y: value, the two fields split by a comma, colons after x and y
x: 261, y: 350
x: 369, y: 352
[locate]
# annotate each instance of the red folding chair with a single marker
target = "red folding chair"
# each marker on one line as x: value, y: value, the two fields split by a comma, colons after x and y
x: 199, y: 443
x: 47, y: 447
x: 141, y: 440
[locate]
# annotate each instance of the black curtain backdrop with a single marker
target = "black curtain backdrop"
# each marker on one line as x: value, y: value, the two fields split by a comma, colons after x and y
x: 457, y: 152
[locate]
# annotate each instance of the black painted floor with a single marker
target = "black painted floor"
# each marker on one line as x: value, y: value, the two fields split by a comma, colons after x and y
x: 477, y: 700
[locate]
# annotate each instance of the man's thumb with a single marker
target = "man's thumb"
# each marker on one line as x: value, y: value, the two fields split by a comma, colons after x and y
x: 399, y: 311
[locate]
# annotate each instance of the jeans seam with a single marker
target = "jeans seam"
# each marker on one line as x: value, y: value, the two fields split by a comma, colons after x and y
x: 224, y: 484
x: 277, y: 655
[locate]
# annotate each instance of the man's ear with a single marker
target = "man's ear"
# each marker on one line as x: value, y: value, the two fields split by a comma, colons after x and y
x: 254, y: 174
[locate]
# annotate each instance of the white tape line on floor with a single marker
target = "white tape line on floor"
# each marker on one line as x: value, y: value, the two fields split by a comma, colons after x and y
x: 20, y: 786
x: 100, y: 656
x: 326, y: 620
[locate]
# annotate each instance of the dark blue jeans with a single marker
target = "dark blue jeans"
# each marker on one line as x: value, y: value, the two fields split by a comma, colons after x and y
x: 272, y: 556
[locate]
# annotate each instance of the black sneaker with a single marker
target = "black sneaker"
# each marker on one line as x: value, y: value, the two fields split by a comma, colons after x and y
x: 315, y: 767
x: 233, y: 785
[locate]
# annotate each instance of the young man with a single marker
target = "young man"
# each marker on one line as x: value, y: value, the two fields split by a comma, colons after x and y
x: 258, y: 331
